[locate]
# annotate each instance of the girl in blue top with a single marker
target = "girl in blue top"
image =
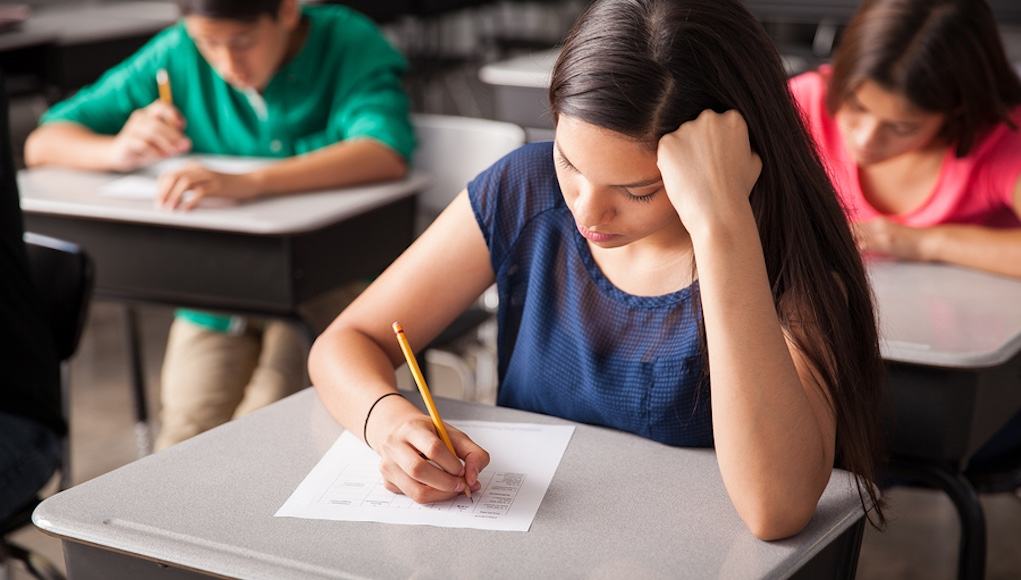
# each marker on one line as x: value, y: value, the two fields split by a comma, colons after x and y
x: 680, y: 222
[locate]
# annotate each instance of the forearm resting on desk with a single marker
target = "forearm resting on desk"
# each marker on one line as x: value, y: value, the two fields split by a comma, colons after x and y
x: 343, y: 164
x: 69, y: 145
x: 773, y: 432
x: 992, y: 250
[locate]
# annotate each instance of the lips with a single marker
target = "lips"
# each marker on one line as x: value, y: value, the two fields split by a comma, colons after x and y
x: 597, y: 237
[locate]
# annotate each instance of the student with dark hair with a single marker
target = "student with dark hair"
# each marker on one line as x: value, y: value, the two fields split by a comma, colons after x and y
x: 917, y: 122
x: 317, y: 87
x: 677, y: 245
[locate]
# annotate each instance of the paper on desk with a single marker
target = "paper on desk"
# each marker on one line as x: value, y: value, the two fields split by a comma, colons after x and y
x: 144, y: 188
x: 141, y: 187
x: 143, y: 184
x: 345, y: 485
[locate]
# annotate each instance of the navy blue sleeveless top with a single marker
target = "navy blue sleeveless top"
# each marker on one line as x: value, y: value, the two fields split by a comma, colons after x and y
x: 570, y: 343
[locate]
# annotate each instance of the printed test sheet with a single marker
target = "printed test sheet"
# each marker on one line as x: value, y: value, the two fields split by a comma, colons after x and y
x: 346, y: 485
x: 144, y: 184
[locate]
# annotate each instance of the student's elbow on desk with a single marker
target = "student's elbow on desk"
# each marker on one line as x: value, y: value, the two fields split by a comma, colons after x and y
x: 771, y: 520
x: 319, y: 354
x: 399, y: 170
x: 36, y: 146
x: 396, y: 167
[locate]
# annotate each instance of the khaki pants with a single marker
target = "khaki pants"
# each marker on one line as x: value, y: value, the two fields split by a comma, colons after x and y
x: 212, y: 377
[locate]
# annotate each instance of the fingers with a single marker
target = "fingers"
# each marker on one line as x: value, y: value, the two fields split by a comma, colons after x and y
x: 170, y: 140
x: 475, y: 458
x: 137, y: 146
x: 161, y: 126
x: 397, y: 481
x: 416, y: 462
x: 193, y: 197
x: 166, y: 113
x: 188, y: 185
x: 405, y: 469
x: 139, y: 153
x: 159, y: 144
x: 408, y: 460
x: 430, y: 445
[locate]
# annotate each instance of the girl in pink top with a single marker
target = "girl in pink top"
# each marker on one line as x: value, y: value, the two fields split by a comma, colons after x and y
x: 917, y: 123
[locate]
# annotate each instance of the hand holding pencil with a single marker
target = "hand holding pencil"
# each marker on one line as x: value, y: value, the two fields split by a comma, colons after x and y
x: 422, y: 457
x: 151, y: 133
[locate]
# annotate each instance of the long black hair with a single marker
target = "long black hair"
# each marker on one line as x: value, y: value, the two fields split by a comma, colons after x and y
x: 644, y: 67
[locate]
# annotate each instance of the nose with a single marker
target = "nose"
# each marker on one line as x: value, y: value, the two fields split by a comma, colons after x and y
x: 866, y: 135
x: 233, y: 65
x: 592, y: 208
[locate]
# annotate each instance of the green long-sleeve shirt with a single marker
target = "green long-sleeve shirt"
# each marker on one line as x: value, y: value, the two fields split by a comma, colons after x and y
x: 344, y: 83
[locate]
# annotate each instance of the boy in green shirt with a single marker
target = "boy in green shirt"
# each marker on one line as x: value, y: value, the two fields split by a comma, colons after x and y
x: 317, y: 87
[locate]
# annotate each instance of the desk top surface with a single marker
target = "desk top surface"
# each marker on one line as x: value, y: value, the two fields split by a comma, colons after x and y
x: 530, y: 70
x: 618, y: 506
x: 941, y: 315
x: 534, y: 70
x: 74, y: 193
x: 68, y: 25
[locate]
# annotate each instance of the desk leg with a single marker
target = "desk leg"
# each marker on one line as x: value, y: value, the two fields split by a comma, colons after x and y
x: 971, y: 560
x: 143, y: 437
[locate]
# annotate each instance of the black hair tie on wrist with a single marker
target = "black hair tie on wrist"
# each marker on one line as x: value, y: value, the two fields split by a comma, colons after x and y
x: 365, y: 426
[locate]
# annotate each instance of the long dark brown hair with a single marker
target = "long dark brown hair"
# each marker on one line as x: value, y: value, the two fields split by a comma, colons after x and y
x: 644, y: 67
x: 944, y: 56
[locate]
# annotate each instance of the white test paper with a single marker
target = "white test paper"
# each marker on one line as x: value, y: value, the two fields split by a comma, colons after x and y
x: 345, y: 485
x: 142, y: 185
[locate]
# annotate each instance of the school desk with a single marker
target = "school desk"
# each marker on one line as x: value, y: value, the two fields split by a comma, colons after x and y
x: 67, y: 46
x: 521, y: 84
x: 263, y: 258
x: 619, y: 506
x: 952, y: 341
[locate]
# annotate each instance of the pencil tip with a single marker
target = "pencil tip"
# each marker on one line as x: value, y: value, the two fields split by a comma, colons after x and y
x: 397, y: 327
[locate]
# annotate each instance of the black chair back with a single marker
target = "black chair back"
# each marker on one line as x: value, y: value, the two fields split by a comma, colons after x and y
x: 61, y: 272
x: 63, y: 275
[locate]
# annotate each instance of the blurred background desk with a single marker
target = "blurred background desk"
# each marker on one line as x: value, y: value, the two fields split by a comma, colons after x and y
x: 952, y: 341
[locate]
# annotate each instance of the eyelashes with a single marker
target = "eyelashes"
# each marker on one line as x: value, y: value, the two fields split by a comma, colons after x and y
x: 564, y: 164
x: 644, y: 198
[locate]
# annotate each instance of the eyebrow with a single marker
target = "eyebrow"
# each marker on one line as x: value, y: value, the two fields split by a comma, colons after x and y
x: 642, y: 183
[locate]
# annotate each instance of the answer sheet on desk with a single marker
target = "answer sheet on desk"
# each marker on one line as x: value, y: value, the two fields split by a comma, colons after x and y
x: 346, y: 485
x: 143, y: 184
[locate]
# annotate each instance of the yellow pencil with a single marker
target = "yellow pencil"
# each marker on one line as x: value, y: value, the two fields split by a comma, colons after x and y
x: 423, y: 389
x: 163, y: 82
